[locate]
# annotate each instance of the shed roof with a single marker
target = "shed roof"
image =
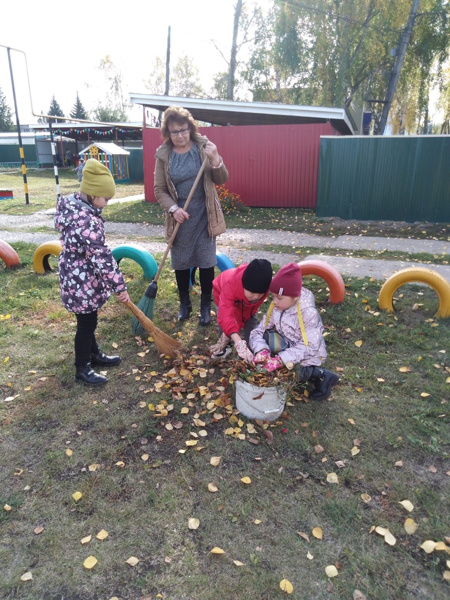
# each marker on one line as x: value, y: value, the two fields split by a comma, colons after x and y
x: 107, y: 147
x: 226, y: 112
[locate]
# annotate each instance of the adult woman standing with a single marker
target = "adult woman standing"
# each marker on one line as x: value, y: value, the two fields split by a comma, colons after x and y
x: 178, y: 161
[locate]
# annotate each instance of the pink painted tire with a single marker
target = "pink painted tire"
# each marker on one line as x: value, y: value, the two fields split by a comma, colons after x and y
x: 331, y: 276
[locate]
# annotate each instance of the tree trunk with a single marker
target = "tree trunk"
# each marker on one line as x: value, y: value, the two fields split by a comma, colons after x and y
x: 395, y: 73
x: 232, y: 68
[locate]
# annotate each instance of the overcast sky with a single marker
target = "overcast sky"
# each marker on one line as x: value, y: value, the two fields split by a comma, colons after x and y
x: 65, y: 42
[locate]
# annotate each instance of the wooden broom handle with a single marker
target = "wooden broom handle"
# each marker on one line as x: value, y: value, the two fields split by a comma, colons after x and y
x: 177, y: 226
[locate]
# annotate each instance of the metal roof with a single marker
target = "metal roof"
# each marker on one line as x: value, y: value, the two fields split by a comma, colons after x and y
x: 226, y: 112
x: 107, y: 147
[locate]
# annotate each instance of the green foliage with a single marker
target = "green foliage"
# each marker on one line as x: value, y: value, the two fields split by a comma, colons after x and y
x: 6, y: 122
x: 55, y: 110
x: 230, y: 202
x: 78, y: 110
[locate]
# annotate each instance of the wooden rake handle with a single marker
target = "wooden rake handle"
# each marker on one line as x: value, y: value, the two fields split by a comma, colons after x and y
x: 178, y: 225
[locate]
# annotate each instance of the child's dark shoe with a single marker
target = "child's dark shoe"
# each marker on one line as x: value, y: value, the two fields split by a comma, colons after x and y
x: 88, y: 376
x: 102, y: 360
x: 323, y: 381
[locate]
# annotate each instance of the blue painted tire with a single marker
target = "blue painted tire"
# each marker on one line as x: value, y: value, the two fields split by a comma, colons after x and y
x: 224, y: 262
x: 142, y: 257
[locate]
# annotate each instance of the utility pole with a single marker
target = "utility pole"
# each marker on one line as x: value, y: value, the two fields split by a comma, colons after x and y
x: 166, y: 89
x: 398, y: 63
x: 232, y: 68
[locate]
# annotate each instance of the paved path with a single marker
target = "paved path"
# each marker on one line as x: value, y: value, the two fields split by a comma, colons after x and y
x: 242, y: 245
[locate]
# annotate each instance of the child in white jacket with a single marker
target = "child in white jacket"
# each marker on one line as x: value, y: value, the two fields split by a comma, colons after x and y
x: 291, y: 332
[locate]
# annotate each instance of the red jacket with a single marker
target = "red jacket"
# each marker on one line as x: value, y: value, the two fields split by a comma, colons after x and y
x: 233, y: 307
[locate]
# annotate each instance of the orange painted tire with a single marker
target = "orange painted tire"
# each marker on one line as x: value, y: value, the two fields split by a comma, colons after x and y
x: 416, y: 275
x: 9, y: 255
x: 331, y: 275
x: 41, y: 255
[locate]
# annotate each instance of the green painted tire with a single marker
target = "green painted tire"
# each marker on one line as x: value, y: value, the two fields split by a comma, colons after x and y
x: 142, y: 257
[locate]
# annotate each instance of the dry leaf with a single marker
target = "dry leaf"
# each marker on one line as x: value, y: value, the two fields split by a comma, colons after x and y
x: 132, y: 561
x: 7, y: 507
x: 145, y: 457
x: 28, y: 576
x: 191, y: 442
x: 332, y: 478
x: 303, y: 535
x: 238, y: 563
x: 76, y: 496
x: 212, y: 487
x: 399, y: 463
x: 405, y: 370
x: 120, y: 463
x: 407, y: 504
x: 410, y: 526
x: 86, y: 539
x: 366, y: 498
x: 432, y: 469
x: 318, y: 449
x: 286, y: 586
x: 441, y: 546
x: 102, y: 535
x: 193, y: 523
x: 381, y: 530
x: 428, y: 546
x: 331, y: 571
x: 69, y: 452
x: 446, y: 575
x: 246, y: 480
x: 309, y: 556
x: 217, y: 550
x: 90, y: 562
x: 355, y: 450
x: 389, y: 538
x: 215, y: 461
x: 351, y: 421
x: 38, y: 530
x: 357, y: 595
x: 317, y: 533
x: 94, y: 467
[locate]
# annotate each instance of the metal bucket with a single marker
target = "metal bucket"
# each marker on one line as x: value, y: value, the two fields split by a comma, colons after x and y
x: 265, y: 403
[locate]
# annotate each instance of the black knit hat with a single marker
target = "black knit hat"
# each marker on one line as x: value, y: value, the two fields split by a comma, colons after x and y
x: 257, y: 276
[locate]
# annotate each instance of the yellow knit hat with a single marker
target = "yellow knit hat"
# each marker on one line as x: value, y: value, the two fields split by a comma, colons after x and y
x: 97, y: 180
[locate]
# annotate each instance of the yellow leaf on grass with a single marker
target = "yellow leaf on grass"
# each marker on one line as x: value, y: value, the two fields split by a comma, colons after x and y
x: 7, y: 507
x: 407, y: 504
x: 355, y: 450
x: 359, y: 343
x: 381, y: 530
x: 120, y: 463
x: 184, y: 410
x: 303, y: 535
x: 351, y: 421
x: 366, y: 498
x: 405, y: 370
x: 317, y: 532
x: 191, y: 442
x: 90, y: 562
x: 212, y: 487
x: 238, y: 563
x: 94, y: 467
x: 145, y: 457
x: 38, y: 530
x: 286, y: 586
x: 193, y: 523
x: 132, y: 561
x: 428, y: 546
x: 331, y: 571
x: 389, y: 538
x: 28, y: 576
x: 446, y: 575
x: 332, y: 478
x: 102, y: 535
x: 441, y: 546
x: 217, y: 550
x: 309, y: 556
x: 76, y: 496
x: 69, y: 452
x: 246, y: 480
x: 215, y: 461
x: 86, y: 539
x: 410, y: 526
x: 424, y: 395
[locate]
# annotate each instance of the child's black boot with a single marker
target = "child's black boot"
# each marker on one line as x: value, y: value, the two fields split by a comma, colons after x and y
x: 323, y: 381
x: 88, y: 376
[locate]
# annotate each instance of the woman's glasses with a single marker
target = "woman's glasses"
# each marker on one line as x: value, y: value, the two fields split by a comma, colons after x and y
x: 174, y: 134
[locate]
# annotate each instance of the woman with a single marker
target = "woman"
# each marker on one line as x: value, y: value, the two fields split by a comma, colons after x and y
x: 178, y: 161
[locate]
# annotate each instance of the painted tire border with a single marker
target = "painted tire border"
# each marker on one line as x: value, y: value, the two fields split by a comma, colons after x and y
x: 41, y: 255
x: 8, y: 255
x: 141, y: 256
x: 330, y: 274
x: 416, y: 275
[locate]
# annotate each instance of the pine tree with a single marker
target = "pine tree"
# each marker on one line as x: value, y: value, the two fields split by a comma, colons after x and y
x: 55, y: 110
x: 6, y: 122
x: 78, y: 110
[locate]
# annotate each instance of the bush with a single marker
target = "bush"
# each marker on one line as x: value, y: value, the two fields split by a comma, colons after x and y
x: 231, y: 203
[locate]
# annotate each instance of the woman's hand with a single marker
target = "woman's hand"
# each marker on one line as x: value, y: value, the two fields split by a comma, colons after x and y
x: 180, y: 215
x: 211, y: 152
x: 123, y: 296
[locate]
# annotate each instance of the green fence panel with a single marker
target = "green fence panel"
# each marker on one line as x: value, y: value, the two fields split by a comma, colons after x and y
x: 136, y: 164
x: 10, y: 153
x: 387, y: 178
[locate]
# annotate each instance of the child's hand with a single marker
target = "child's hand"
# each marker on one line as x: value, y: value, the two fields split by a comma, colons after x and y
x: 262, y: 356
x: 220, y: 346
x: 273, y: 364
x: 243, y: 351
x: 123, y: 296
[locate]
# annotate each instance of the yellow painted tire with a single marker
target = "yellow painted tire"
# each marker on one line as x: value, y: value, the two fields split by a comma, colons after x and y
x: 416, y: 275
x: 331, y: 276
x: 9, y: 255
x: 41, y: 255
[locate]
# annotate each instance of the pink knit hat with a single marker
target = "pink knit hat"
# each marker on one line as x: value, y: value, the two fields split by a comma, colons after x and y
x: 288, y: 281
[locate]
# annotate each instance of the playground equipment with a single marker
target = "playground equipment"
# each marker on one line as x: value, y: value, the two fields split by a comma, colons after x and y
x: 416, y: 275
x: 143, y: 258
x: 224, y: 262
x: 9, y: 255
x: 42, y: 254
x: 331, y: 275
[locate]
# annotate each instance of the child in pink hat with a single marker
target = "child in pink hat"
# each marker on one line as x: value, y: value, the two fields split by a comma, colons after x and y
x: 291, y: 332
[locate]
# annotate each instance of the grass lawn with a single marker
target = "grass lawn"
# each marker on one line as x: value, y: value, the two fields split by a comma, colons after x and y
x: 139, y: 452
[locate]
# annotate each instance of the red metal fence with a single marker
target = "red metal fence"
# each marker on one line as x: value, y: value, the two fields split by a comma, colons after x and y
x: 268, y: 165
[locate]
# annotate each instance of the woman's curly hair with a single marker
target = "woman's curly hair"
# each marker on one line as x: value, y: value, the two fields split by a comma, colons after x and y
x: 181, y: 116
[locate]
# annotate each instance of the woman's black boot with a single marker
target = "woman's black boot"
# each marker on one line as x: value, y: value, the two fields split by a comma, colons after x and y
x: 205, y: 309
x: 99, y: 359
x: 185, y: 306
x: 323, y: 381
x: 88, y: 376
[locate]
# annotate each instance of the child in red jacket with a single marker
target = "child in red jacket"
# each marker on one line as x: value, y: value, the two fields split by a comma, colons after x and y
x: 238, y: 293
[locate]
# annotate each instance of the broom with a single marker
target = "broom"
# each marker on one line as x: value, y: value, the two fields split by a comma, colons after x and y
x: 164, y: 343
x: 147, y: 302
